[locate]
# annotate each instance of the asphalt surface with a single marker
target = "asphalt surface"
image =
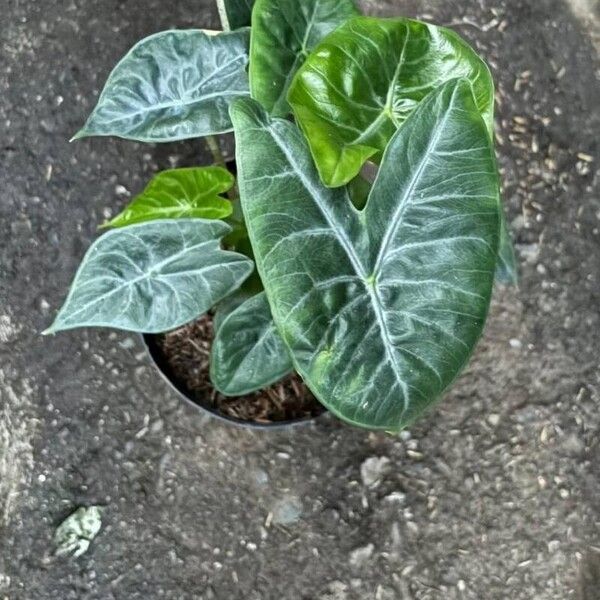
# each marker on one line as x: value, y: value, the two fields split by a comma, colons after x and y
x: 493, y: 495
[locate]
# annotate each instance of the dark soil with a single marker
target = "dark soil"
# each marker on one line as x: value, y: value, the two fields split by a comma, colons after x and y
x: 187, y: 353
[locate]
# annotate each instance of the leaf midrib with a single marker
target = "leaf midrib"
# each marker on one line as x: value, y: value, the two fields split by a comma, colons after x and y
x: 387, y: 111
x: 396, y: 220
x: 372, y: 289
x: 314, y: 192
x: 346, y: 243
x: 165, y: 105
x: 146, y: 275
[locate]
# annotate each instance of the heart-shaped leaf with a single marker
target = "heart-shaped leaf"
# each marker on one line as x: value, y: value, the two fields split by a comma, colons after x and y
x: 178, y: 194
x: 380, y: 308
x: 152, y: 277
x: 237, y: 13
x: 248, y: 353
x: 283, y: 33
x: 364, y: 80
x: 172, y: 86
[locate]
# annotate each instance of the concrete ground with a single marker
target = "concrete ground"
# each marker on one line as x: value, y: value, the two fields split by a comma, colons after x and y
x: 494, y: 495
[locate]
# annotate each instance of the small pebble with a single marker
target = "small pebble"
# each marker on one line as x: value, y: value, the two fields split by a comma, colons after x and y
x: 121, y: 190
x: 373, y: 469
x: 553, y: 545
x: 287, y: 511
x: 398, y: 497
x: 360, y: 556
x: 493, y: 420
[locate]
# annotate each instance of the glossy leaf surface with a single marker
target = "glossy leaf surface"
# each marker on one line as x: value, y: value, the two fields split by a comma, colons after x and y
x: 248, y: 353
x: 178, y: 194
x: 152, y: 277
x: 283, y: 34
x: 172, y: 86
x: 364, y: 80
x: 382, y: 308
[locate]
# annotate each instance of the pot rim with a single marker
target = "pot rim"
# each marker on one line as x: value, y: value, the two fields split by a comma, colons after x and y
x: 157, y: 357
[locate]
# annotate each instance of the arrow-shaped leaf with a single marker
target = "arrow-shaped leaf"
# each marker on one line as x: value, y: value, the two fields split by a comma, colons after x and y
x: 152, y: 277
x: 283, y: 34
x: 172, y: 86
x: 178, y: 194
x: 381, y: 308
x: 364, y: 80
x: 248, y: 352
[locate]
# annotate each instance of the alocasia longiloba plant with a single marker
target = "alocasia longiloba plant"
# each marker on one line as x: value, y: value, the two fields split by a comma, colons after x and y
x: 375, y: 289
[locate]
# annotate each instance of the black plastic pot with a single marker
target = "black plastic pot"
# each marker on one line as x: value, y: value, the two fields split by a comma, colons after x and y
x: 158, y: 358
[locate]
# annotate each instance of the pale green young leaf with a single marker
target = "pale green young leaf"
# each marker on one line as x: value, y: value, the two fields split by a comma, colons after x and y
x: 283, y: 34
x: 364, y: 80
x: 248, y: 353
x: 172, y: 86
x: 179, y: 194
x: 380, y: 308
x: 152, y: 277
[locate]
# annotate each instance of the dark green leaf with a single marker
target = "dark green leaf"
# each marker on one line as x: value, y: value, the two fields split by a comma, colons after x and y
x: 172, y: 86
x: 382, y: 308
x: 283, y: 33
x: 358, y: 190
x: 248, y: 353
x: 252, y: 286
x: 226, y: 306
x: 238, y: 12
x: 152, y: 277
x: 507, y: 271
x: 179, y: 194
x: 364, y: 80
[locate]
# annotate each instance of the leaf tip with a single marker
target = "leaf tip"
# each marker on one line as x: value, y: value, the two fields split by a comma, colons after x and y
x: 249, y: 108
x: 56, y: 326
x: 507, y: 279
x: 82, y: 133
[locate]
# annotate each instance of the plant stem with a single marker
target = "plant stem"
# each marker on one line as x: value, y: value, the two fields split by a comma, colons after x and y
x: 212, y: 143
x: 215, y: 149
x: 223, y: 15
x: 211, y: 140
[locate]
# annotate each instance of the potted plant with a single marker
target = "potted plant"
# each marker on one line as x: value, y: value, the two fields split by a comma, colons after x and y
x: 353, y: 256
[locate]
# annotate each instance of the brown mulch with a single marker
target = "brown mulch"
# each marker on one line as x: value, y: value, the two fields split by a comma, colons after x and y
x: 187, y: 352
